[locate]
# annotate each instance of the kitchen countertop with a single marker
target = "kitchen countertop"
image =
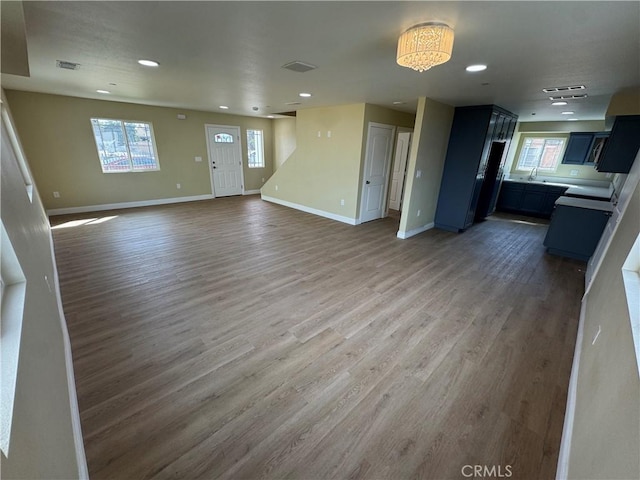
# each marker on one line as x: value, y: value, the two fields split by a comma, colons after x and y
x: 585, y: 203
x: 586, y: 191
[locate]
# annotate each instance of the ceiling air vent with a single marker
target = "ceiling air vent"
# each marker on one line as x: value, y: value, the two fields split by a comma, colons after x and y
x: 568, y: 97
x: 293, y: 103
x: 299, y: 67
x: 67, y: 65
x: 563, y: 89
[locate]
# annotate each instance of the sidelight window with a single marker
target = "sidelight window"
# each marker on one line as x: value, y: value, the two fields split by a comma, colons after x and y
x: 125, y: 146
x: 255, y: 147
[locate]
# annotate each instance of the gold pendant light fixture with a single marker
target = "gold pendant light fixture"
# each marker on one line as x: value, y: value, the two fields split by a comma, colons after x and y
x: 424, y: 46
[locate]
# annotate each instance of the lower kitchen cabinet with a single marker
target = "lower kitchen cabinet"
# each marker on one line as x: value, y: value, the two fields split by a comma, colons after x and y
x: 535, y: 199
x: 576, y: 227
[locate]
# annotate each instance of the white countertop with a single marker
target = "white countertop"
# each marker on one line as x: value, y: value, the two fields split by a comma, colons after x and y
x: 585, y: 203
x: 599, y: 192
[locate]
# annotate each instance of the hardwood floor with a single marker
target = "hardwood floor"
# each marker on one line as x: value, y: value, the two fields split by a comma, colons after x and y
x: 234, y: 338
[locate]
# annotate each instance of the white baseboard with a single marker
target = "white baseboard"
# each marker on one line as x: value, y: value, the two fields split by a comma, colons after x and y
x: 117, y: 206
x: 251, y: 192
x: 410, y: 233
x: 314, y: 211
x: 564, y: 455
x: 81, y: 459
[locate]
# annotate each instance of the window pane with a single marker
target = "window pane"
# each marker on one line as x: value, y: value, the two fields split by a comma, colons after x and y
x: 551, y: 154
x: 255, y: 149
x: 540, y: 153
x: 112, y: 147
x: 141, y: 146
x: 223, y: 138
x: 124, y: 146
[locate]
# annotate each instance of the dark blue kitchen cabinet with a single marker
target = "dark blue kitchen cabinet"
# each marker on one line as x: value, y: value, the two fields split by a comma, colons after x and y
x: 575, y: 230
x: 478, y: 144
x: 578, y: 147
x: 535, y: 199
x: 583, y: 147
x: 621, y: 148
x: 510, y: 198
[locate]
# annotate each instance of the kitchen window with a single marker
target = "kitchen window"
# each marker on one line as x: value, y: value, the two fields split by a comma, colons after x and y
x: 255, y: 147
x: 125, y: 146
x: 541, y: 153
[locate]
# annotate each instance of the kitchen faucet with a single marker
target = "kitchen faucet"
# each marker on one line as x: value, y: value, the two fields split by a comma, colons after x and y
x: 533, y: 174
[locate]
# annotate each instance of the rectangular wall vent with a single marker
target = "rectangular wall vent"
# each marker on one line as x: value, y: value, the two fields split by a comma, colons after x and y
x: 563, y: 89
x: 67, y: 65
x: 299, y: 67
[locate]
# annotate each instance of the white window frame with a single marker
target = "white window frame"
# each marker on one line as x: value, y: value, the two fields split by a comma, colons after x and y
x: 631, y: 280
x: 131, y: 168
x: 259, y: 149
x: 19, y: 153
x: 14, y: 286
x: 537, y: 167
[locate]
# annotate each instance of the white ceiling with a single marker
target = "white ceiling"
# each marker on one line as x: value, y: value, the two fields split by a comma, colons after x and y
x: 231, y: 53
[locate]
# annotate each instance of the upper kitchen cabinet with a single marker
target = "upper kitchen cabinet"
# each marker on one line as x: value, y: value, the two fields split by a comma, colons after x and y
x: 622, y: 147
x: 473, y: 169
x: 583, y: 147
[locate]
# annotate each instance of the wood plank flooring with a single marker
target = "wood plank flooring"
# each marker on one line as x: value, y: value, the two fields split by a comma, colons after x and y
x: 238, y: 339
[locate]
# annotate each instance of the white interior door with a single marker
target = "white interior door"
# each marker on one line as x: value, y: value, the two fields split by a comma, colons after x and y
x: 376, y: 171
x: 398, y: 171
x: 225, y: 160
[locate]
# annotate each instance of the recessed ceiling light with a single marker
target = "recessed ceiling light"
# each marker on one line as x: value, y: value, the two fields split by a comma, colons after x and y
x: 572, y: 119
x: 559, y: 103
x: 305, y: 95
x: 270, y: 116
x: 103, y: 91
x: 568, y: 113
x: 476, y: 68
x: 398, y: 102
x: 223, y: 107
x: 148, y: 63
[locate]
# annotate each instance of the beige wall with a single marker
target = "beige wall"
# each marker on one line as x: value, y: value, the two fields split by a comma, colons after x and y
x: 428, y: 153
x: 327, y: 168
x: 42, y: 434
x: 57, y: 138
x: 560, y: 130
x: 625, y: 102
x: 606, y: 433
x: 284, y: 140
x: 324, y: 169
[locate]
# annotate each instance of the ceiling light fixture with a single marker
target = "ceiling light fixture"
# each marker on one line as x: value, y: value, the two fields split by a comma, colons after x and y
x: 305, y: 95
x: 567, y: 113
x: 564, y: 89
x: 567, y: 97
x: 399, y: 102
x: 572, y: 119
x: 223, y: 107
x: 476, y: 68
x: 424, y: 46
x: 559, y: 103
x: 103, y: 91
x: 270, y: 116
x: 148, y: 63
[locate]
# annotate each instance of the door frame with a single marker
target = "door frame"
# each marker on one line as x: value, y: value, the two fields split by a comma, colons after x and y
x: 385, y: 193
x: 400, y: 130
x: 206, y: 135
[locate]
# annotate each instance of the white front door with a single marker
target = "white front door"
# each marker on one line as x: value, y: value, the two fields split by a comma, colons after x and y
x: 398, y: 171
x: 376, y: 171
x: 225, y: 160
